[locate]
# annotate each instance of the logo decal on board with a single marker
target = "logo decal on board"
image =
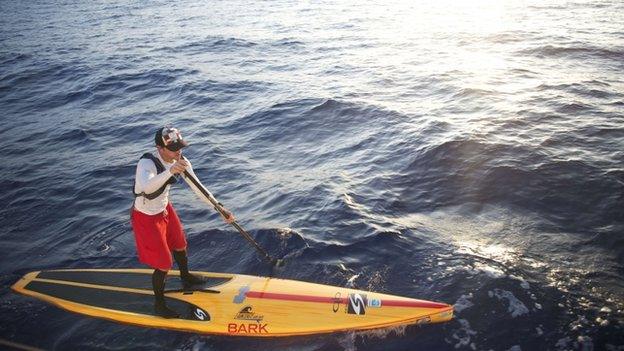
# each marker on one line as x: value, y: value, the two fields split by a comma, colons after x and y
x: 200, y: 314
x: 247, y: 314
x: 242, y: 294
x: 375, y: 303
x: 336, y: 302
x: 249, y: 328
x: 357, y: 304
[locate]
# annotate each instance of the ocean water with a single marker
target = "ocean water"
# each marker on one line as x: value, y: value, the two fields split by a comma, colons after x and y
x: 469, y: 152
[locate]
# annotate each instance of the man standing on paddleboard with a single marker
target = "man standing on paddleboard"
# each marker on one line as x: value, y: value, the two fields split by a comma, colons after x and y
x: 157, y: 229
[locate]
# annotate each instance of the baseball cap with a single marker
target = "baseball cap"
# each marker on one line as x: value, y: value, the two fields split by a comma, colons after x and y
x: 170, y: 138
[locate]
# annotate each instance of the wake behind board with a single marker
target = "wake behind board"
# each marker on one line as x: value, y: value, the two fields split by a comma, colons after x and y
x: 230, y: 304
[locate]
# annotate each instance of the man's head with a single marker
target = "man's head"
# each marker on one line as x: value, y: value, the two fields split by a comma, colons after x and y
x: 169, y: 143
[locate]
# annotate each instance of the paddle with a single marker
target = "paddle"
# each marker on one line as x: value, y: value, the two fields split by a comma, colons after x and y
x: 242, y: 231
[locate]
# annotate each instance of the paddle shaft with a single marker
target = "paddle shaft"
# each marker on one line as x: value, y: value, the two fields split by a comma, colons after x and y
x: 219, y: 208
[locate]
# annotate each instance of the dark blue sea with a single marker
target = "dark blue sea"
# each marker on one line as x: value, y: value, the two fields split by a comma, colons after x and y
x: 468, y: 152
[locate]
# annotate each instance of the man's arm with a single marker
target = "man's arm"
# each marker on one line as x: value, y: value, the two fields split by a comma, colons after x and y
x: 229, y: 218
x: 147, y: 181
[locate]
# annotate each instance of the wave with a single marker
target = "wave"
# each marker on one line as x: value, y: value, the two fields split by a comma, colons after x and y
x: 472, y: 93
x: 574, y: 108
x: 470, y: 172
x: 203, y: 93
x: 508, y: 37
x: 131, y: 82
x: 289, y: 43
x: 119, y: 87
x: 209, y: 44
x: 309, y: 122
x: 584, y: 52
x: 376, y: 247
x: 10, y: 58
x: 73, y: 137
x: 41, y: 73
x: 592, y: 89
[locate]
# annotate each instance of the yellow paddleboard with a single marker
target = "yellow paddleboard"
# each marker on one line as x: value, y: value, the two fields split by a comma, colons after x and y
x: 229, y: 304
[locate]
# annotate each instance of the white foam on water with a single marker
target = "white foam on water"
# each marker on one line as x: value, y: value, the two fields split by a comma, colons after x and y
x: 463, y: 303
x: 347, y: 341
x: 602, y: 322
x: 585, y: 343
x: 539, y: 331
x: 463, y: 334
x: 523, y: 283
x: 563, y: 343
x: 582, y: 343
x: 343, y: 268
x: 285, y: 232
x: 383, y: 333
x: 490, y: 271
x: 196, y: 343
x: 515, y: 306
x: 351, y: 280
x: 580, y: 323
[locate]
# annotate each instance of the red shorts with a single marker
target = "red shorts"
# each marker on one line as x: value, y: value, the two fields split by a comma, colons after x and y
x: 157, y: 235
